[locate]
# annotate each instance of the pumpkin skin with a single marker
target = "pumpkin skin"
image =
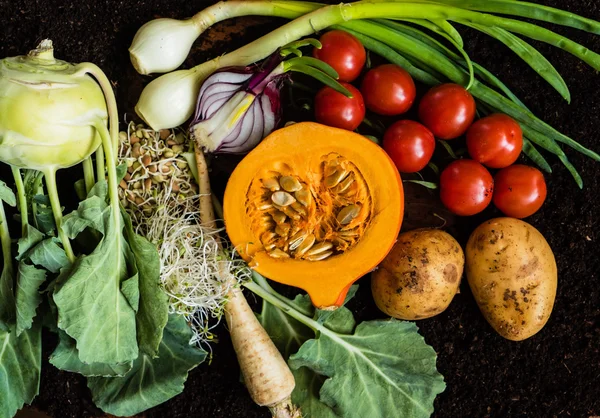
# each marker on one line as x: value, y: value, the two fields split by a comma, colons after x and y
x: 307, y: 150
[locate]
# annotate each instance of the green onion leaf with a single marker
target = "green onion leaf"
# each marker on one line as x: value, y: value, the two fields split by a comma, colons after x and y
x: 530, y: 55
x: 534, y: 155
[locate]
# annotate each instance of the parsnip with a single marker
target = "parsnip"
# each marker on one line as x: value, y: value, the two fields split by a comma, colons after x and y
x: 266, y: 374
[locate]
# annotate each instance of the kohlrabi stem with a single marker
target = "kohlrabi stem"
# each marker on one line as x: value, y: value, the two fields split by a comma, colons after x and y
x: 113, y: 193
x: 100, y: 172
x: 88, y: 174
x: 111, y: 102
x: 21, y: 199
x: 50, y: 176
x: 5, y: 238
x: 283, y: 306
x: 263, y: 282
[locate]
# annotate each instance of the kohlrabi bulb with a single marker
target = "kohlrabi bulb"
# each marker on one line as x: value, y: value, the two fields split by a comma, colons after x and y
x: 48, y: 111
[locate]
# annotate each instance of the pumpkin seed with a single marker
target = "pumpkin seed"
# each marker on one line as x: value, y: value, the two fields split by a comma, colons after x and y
x: 265, y: 206
x: 282, y: 229
x: 277, y: 253
x: 347, y: 214
x: 345, y: 185
x: 335, y: 178
x: 290, y: 184
x: 297, y: 239
x: 348, y: 233
x: 282, y: 198
x: 278, y: 216
x: 268, y: 237
x: 320, y: 248
x: 319, y: 257
x: 291, y: 213
x: 299, y: 208
x: 303, y: 196
x: 306, y: 245
x: 271, y: 184
x: 270, y: 247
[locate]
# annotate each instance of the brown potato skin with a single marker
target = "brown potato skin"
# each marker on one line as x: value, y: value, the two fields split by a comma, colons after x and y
x: 420, y: 275
x: 512, y: 273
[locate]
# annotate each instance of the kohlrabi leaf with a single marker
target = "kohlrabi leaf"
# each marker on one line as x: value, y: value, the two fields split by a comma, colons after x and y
x: 91, y: 213
x: 7, y: 195
x: 151, y: 381
x: 20, y: 364
x: 383, y: 369
x: 49, y: 255
x: 121, y: 171
x: 28, y: 297
x: 44, y: 219
x: 7, y: 297
x: 29, y: 240
x: 153, y: 311
x: 287, y: 333
x: 91, y: 307
x: 131, y: 290
x: 65, y: 357
x: 306, y: 394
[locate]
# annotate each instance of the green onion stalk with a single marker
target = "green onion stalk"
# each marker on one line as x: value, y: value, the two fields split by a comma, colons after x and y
x: 169, y: 100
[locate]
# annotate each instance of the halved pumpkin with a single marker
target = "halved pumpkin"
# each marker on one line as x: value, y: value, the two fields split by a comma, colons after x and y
x: 314, y: 207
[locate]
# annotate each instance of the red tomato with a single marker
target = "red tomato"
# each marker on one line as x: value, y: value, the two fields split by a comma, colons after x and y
x: 335, y: 109
x: 343, y: 52
x: 520, y: 190
x: 466, y: 187
x: 409, y: 144
x: 447, y: 110
x: 495, y: 141
x: 388, y: 90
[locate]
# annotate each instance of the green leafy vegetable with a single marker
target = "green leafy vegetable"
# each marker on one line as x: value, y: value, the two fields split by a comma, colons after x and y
x: 20, y: 364
x: 66, y: 357
x: 7, y: 195
x: 28, y: 297
x: 150, y: 382
x: 379, y: 369
x: 153, y: 312
x: 393, y: 371
x: 7, y: 296
x: 91, y: 306
x: 49, y: 255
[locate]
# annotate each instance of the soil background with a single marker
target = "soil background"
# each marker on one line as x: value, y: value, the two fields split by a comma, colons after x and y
x: 556, y: 373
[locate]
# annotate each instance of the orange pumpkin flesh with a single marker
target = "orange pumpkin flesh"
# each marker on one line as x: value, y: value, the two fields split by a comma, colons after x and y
x: 314, y: 207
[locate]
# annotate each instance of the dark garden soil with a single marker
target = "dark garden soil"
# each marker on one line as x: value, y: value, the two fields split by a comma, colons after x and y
x: 556, y: 373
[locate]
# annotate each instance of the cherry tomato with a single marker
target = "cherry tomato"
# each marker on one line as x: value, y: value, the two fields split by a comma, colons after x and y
x: 520, y: 190
x: 447, y: 110
x: 409, y: 144
x: 343, y: 52
x: 466, y: 187
x: 388, y: 90
x: 495, y: 141
x: 335, y: 109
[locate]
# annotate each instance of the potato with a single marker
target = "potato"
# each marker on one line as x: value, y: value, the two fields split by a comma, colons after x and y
x: 420, y: 275
x: 512, y: 273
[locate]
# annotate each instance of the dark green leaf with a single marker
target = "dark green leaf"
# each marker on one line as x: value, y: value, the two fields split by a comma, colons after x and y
x: 41, y: 199
x: 48, y: 255
x: 121, y: 171
x: 31, y: 238
x: 20, y: 364
x: 131, y: 290
x: 91, y: 307
x: 65, y: 357
x: 7, y: 297
x: 28, y: 297
x: 7, y: 195
x: 80, y: 189
x: 91, y: 213
x: 151, y: 381
x: 306, y: 394
x: 44, y: 219
x: 386, y: 364
x: 153, y: 310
